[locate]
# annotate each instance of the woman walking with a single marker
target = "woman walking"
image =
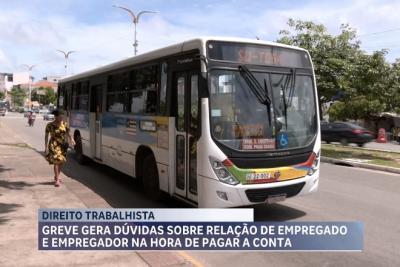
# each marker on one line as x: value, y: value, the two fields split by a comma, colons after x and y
x: 56, y: 148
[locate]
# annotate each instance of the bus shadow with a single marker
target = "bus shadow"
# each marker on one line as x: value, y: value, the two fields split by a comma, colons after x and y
x: 276, y: 212
x: 116, y: 188
x: 122, y: 191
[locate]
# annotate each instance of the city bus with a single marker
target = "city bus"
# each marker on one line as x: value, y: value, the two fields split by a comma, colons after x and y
x: 215, y: 122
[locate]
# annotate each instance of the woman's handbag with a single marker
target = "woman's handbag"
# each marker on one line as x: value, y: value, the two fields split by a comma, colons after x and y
x: 65, y: 145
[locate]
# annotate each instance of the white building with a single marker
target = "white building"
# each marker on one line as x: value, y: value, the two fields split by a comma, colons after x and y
x: 53, y: 79
x: 8, y: 80
x: 21, y: 78
x: 6, y: 83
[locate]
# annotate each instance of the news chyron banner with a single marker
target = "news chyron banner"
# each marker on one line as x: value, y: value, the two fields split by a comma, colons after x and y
x: 189, y: 229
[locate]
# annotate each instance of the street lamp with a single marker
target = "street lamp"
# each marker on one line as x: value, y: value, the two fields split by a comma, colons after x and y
x: 30, y: 67
x: 66, y: 54
x: 135, y: 20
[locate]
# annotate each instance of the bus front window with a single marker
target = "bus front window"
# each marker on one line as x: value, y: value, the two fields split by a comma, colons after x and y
x: 240, y: 120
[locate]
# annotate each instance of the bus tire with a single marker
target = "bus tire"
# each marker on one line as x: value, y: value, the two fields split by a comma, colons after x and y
x: 82, y: 159
x: 151, y: 184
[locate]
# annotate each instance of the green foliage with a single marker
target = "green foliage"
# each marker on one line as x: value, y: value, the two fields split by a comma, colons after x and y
x: 358, y: 108
x: 44, y: 95
x: 333, y: 56
x: 2, y: 95
x: 18, y: 95
x: 366, y: 85
x: 394, y: 87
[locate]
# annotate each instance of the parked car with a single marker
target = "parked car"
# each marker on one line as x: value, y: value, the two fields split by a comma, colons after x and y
x: 345, y: 133
x: 42, y: 112
x: 48, y: 116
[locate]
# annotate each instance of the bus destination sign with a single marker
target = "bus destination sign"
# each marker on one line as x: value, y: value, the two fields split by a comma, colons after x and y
x: 258, y: 54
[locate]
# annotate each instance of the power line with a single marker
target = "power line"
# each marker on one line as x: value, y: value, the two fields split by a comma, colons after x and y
x: 380, y: 32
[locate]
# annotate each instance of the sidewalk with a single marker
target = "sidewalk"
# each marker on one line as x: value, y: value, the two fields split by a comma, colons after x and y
x: 26, y: 184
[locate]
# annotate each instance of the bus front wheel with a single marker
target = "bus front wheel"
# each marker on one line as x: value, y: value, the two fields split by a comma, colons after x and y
x: 151, y: 183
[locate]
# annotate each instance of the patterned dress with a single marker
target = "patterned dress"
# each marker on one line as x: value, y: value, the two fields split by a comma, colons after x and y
x: 58, y: 136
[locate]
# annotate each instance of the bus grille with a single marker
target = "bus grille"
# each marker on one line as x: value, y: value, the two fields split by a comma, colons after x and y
x: 260, y: 195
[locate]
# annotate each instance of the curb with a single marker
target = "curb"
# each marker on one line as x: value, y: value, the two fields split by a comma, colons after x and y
x: 360, y: 165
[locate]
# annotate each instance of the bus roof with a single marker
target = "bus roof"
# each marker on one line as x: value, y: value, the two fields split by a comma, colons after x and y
x: 197, y: 43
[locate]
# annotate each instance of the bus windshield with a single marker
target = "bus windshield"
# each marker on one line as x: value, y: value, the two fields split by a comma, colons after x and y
x: 241, y: 121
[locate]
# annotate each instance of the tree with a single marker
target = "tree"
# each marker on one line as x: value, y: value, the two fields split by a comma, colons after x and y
x: 357, y: 82
x: 394, y: 87
x: 333, y: 56
x: 2, y: 95
x: 44, y: 95
x: 18, y: 96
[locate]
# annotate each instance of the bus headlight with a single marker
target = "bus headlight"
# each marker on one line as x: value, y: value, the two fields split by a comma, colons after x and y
x: 222, y: 172
x: 315, y: 163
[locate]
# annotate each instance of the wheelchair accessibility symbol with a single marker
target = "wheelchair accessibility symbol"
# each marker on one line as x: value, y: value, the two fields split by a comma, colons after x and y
x: 283, y: 140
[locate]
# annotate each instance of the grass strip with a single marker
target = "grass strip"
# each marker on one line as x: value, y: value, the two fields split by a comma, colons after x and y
x: 389, y: 159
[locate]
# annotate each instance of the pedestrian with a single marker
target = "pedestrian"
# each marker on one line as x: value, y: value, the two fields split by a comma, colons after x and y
x: 56, y: 148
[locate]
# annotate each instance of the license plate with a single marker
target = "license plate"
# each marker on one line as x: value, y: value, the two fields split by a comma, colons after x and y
x: 275, y: 198
x: 258, y: 176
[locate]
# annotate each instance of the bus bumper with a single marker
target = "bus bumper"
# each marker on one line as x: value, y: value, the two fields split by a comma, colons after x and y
x: 213, y: 193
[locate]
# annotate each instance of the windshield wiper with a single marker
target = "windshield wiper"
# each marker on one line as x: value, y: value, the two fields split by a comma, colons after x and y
x: 289, y: 80
x: 291, y: 91
x: 256, y: 88
x: 260, y: 92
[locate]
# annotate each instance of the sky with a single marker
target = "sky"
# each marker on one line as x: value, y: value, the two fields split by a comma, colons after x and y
x: 31, y: 31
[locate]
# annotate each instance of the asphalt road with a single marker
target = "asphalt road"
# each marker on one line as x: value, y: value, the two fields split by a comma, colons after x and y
x: 345, y: 194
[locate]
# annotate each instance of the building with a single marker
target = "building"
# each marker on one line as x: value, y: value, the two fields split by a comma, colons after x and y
x: 44, y: 83
x: 22, y: 79
x: 389, y: 121
x: 53, y: 79
x: 9, y: 80
x: 6, y: 83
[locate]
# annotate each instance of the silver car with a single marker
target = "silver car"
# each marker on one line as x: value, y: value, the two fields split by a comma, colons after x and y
x: 48, y: 116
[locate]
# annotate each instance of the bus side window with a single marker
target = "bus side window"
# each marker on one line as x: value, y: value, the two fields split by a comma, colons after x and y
x: 151, y: 102
x: 136, y: 102
x: 163, y: 89
x: 194, y: 104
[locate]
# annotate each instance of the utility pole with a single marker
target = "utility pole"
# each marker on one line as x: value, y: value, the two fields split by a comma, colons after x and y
x: 30, y: 67
x: 66, y: 55
x: 135, y: 21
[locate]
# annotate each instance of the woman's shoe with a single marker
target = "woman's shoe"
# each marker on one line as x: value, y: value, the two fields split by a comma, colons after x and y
x: 57, y: 184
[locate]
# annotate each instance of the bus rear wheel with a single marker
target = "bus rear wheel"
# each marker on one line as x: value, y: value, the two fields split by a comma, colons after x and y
x: 82, y: 159
x: 151, y: 184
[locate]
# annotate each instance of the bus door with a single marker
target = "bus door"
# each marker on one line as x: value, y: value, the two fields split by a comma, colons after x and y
x: 96, y: 101
x: 186, y: 125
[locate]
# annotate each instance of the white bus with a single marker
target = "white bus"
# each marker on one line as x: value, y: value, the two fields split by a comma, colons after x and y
x: 216, y: 122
